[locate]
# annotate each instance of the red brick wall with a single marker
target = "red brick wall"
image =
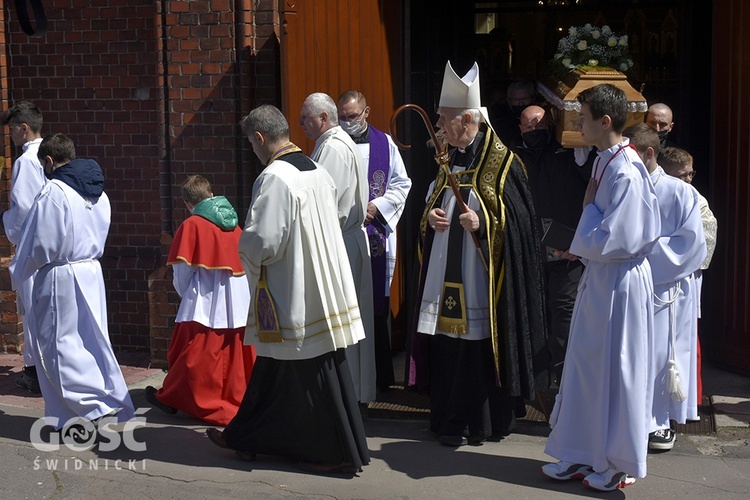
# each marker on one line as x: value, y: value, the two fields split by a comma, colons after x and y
x: 11, y: 338
x: 153, y: 90
x: 93, y: 75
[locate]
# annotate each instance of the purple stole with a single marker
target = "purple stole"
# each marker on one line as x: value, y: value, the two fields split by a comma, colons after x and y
x: 377, y: 179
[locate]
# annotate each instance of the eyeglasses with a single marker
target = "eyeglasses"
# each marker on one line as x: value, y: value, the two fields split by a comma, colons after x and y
x: 352, y: 117
x: 687, y: 175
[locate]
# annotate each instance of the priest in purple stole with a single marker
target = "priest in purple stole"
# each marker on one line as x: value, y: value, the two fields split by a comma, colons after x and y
x: 389, y: 186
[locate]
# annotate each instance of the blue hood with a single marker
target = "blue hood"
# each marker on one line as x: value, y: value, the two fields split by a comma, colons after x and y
x: 82, y: 174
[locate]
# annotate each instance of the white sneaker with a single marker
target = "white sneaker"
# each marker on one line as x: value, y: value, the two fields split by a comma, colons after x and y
x: 562, y: 471
x: 609, y: 480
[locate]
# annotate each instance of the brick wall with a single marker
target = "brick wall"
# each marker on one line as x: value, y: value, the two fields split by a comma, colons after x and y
x: 153, y: 90
x: 11, y: 339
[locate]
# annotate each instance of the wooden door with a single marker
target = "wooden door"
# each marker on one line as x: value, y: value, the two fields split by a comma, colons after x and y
x: 725, y: 326
x: 333, y: 46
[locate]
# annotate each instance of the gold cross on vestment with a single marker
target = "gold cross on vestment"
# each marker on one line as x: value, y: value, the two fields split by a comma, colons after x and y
x: 450, y: 302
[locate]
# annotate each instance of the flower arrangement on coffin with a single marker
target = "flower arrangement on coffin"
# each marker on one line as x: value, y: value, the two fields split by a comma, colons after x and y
x: 587, y: 56
x: 589, y: 47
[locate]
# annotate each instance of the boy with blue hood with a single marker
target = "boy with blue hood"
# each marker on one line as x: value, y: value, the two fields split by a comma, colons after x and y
x: 62, y: 240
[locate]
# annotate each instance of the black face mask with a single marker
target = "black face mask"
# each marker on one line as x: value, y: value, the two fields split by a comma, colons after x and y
x: 663, y: 136
x: 536, y: 139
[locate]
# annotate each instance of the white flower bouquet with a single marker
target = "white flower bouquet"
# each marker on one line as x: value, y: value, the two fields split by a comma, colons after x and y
x: 591, y: 46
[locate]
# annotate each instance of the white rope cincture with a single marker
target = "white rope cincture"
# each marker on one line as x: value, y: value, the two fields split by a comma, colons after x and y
x: 673, y: 376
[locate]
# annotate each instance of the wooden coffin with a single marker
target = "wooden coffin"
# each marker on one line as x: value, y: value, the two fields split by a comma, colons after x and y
x: 562, y: 96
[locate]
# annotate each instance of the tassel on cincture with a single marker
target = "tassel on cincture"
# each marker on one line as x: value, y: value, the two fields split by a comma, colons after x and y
x: 673, y: 383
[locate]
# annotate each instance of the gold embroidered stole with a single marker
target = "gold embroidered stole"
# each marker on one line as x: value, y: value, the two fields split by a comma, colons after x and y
x: 286, y: 148
x: 488, y: 180
x: 265, y: 312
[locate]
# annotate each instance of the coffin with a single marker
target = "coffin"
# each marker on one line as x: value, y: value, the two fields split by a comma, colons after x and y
x: 562, y: 96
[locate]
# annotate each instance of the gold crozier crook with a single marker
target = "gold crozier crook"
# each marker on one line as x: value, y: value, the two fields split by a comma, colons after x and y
x: 443, y: 160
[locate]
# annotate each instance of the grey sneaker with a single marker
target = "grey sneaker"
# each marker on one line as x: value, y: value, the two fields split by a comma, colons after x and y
x: 609, y: 480
x: 562, y: 471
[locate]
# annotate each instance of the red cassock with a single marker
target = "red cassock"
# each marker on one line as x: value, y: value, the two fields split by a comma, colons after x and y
x: 209, y: 368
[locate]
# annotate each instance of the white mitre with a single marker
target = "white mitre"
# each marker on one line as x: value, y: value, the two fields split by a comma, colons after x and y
x: 462, y: 92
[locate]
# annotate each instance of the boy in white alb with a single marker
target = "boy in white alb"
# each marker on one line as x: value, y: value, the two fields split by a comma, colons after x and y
x: 678, y: 254
x: 61, y: 241
x: 679, y: 163
x: 25, y: 122
x: 601, y: 414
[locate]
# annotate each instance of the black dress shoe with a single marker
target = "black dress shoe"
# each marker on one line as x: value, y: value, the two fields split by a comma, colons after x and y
x: 154, y: 401
x: 496, y: 438
x: 476, y: 440
x: 216, y: 438
x: 453, y: 440
x: 29, y: 381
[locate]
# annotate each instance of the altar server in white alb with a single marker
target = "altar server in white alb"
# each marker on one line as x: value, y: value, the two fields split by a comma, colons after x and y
x: 339, y: 156
x: 62, y: 238
x: 679, y: 163
x: 300, y: 401
x: 601, y: 417
x: 27, y: 178
x: 678, y: 254
x: 388, y: 185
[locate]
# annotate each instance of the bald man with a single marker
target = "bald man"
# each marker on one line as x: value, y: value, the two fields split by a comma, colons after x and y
x: 659, y: 118
x: 557, y: 185
x: 534, y: 127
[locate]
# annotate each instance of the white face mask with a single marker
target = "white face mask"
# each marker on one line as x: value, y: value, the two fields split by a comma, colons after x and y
x: 355, y: 128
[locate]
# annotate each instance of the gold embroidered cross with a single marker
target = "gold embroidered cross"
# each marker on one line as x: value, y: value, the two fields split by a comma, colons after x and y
x: 450, y: 302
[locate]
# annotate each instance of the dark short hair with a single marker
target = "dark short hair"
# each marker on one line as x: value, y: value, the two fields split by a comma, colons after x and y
x: 268, y: 120
x: 57, y: 146
x: 642, y: 137
x: 353, y: 94
x: 195, y: 189
x: 522, y: 84
x: 606, y: 99
x: 673, y: 158
x: 24, y: 112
